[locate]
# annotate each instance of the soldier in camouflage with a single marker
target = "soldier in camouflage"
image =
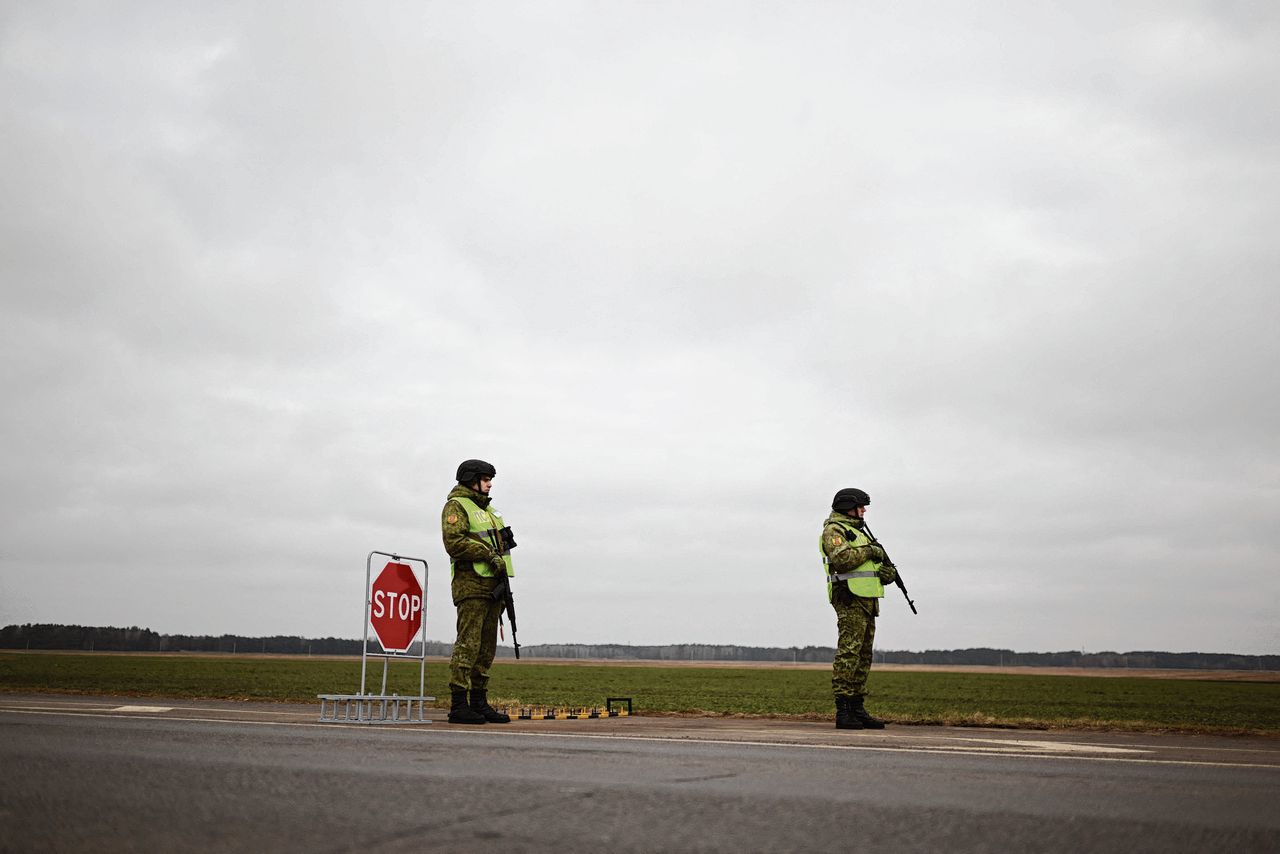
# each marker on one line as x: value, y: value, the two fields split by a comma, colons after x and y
x: 857, y: 571
x: 476, y: 561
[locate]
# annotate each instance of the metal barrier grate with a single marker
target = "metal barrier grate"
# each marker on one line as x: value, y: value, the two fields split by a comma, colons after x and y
x: 373, y: 709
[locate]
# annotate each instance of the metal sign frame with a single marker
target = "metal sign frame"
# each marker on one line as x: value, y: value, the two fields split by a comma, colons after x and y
x: 381, y: 707
x: 386, y: 655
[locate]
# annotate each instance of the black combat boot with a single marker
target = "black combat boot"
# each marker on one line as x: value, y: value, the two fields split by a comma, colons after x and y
x: 844, y: 714
x: 462, y: 713
x: 480, y: 705
x: 862, y: 716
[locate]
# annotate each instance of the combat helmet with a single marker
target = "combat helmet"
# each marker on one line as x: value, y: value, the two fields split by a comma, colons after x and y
x: 469, y: 471
x: 847, y: 499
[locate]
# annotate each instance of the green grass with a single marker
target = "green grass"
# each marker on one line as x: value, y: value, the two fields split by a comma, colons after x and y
x: 984, y: 699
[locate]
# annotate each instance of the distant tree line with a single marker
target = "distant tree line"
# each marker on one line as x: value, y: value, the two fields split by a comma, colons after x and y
x: 134, y: 639
x: 1075, y: 658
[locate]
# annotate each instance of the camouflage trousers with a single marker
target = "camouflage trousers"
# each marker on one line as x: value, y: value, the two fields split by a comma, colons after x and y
x: 856, y: 620
x: 477, y: 640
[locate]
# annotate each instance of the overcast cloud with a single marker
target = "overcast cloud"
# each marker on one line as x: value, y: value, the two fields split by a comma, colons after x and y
x: 269, y: 271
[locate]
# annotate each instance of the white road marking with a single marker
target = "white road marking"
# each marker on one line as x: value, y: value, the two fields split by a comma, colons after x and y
x: 1051, y: 746
x: 109, y: 707
x: 311, y: 716
x: 419, y: 729
x: 141, y: 709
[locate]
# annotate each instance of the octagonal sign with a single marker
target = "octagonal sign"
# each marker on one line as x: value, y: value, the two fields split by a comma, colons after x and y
x: 395, y: 607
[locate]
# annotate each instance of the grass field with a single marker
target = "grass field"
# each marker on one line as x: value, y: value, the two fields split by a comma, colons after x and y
x: 975, y: 699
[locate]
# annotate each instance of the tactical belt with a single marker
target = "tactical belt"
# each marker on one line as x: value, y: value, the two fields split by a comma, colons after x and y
x: 844, y: 576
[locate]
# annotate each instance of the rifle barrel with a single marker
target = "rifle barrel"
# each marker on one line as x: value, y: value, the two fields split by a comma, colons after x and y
x: 897, y: 575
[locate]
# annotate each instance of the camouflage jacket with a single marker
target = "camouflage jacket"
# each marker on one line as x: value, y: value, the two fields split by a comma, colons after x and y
x: 458, y: 541
x: 840, y: 556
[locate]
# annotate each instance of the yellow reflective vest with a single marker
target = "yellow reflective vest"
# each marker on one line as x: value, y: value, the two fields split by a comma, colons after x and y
x: 864, y: 579
x: 485, y: 523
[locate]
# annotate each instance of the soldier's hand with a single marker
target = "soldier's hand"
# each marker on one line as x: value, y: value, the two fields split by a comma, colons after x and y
x: 497, y: 564
x: 887, y: 574
x: 878, y: 555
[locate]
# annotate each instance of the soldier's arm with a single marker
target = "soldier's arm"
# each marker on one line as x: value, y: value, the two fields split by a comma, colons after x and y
x: 457, y: 540
x: 842, y: 557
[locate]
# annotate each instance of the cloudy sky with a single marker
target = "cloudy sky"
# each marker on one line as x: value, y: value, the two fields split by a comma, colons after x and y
x: 269, y: 271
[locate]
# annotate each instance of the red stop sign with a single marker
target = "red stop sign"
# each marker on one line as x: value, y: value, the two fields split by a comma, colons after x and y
x: 395, y: 607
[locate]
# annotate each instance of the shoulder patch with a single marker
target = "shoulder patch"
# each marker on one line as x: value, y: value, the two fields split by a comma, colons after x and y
x: 452, y: 518
x: 836, y: 539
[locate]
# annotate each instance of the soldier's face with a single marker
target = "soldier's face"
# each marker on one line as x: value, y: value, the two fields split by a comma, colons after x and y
x: 486, y: 483
x: 858, y: 512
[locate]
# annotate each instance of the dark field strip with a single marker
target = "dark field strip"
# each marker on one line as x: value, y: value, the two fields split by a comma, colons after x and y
x: 985, y: 699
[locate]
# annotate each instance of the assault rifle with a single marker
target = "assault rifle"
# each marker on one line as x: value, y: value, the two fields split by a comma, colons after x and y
x: 502, y: 592
x: 897, y: 574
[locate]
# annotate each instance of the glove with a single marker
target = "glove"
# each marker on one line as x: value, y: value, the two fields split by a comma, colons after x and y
x: 497, y: 564
x: 887, y: 574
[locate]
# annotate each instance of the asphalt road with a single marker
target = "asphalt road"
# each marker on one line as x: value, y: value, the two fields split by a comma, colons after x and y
x: 109, y: 774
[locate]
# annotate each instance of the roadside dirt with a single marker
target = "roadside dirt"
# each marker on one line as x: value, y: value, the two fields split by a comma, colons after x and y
x: 1130, y: 672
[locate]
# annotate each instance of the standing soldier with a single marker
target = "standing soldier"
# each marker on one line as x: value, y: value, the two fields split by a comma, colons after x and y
x: 479, y: 546
x: 857, y: 571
